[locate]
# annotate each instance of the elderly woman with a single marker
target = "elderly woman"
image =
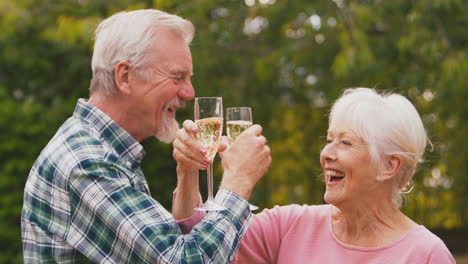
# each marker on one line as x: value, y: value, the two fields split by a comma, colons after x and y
x: 374, y: 143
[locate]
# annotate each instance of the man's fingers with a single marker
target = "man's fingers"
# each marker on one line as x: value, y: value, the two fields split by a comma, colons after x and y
x: 223, y: 144
x: 255, y: 129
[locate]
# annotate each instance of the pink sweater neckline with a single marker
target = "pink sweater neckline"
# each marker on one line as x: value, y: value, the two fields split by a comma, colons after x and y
x: 303, y: 234
x: 366, y: 249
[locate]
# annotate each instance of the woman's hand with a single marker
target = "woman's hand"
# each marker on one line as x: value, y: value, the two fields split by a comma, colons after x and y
x: 188, y: 152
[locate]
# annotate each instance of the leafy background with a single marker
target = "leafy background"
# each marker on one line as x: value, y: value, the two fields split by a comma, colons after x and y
x: 289, y: 60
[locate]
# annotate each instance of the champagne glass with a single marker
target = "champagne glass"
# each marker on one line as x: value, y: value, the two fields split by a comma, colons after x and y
x: 209, y: 119
x: 238, y: 119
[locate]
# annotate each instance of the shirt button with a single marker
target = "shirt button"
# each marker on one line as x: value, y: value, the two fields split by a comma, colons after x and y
x: 129, y: 164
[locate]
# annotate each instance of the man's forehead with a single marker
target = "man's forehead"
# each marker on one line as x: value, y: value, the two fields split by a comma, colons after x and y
x: 181, y: 70
x: 173, y: 63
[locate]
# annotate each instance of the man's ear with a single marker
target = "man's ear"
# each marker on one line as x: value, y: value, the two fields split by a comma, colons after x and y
x: 121, y: 77
x: 392, y: 166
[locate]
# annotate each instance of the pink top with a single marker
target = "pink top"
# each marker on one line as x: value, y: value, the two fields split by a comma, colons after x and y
x: 303, y: 234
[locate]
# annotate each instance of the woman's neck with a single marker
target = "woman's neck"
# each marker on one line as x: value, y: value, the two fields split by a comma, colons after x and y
x: 370, y: 225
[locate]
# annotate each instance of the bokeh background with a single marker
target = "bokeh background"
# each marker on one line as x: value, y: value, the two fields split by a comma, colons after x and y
x: 288, y: 60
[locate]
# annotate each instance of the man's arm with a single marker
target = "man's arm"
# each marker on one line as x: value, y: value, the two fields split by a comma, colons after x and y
x: 112, y: 220
x: 245, y: 162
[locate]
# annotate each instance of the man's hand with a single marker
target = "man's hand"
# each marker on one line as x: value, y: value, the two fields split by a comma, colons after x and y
x: 245, y: 162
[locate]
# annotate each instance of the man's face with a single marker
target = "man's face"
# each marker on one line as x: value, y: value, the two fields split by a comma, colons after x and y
x: 163, y: 87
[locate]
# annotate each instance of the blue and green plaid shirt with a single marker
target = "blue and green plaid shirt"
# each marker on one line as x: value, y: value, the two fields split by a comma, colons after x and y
x: 87, y: 200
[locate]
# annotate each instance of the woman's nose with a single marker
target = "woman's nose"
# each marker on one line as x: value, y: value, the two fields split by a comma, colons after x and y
x: 328, y: 152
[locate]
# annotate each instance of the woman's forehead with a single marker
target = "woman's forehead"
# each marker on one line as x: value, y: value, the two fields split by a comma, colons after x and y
x: 340, y: 132
x: 344, y: 132
x: 341, y: 127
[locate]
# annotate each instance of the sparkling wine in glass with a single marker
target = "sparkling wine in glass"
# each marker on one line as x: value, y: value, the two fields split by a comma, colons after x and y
x: 238, y: 119
x: 209, y: 119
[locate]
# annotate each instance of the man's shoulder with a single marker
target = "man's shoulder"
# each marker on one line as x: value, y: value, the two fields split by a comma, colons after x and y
x: 74, y: 142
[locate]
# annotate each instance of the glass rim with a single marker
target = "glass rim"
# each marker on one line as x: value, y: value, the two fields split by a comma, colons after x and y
x: 209, y: 97
x: 239, y: 107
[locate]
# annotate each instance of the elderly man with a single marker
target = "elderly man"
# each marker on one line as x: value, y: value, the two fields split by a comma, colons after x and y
x: 86, y: 198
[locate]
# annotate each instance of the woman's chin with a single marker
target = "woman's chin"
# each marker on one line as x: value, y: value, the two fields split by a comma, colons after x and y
x: 330, y: 197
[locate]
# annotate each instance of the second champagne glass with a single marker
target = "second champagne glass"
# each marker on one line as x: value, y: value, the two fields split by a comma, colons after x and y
x: 209, y: 119
x: 238, y: 119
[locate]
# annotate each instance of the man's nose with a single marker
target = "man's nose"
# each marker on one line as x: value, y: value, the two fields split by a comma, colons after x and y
x: 187, y: 92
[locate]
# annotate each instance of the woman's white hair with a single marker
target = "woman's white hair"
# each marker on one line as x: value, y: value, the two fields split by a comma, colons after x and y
x: 125, y: 36
x: 389, y: 124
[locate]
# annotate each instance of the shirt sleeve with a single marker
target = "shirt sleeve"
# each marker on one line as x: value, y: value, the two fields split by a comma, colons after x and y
x: 186, y: 224
x: 113, y: 222
x: 261, y: 243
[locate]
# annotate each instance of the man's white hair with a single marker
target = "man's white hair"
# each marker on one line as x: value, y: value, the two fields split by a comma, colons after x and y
x: 125, y: 36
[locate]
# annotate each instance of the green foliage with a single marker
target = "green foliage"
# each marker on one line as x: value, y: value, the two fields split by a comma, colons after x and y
x: 289, y: 60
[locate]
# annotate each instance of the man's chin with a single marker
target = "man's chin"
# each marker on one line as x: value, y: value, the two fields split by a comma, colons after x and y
x: 168, y: 132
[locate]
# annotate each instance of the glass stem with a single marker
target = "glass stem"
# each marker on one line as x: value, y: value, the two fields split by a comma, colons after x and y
x: 209, y: 180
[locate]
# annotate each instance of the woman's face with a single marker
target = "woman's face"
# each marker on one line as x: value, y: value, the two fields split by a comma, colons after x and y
x: 350, y: 176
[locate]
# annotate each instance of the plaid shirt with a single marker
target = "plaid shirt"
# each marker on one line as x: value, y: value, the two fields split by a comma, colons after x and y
x: 87, y: 200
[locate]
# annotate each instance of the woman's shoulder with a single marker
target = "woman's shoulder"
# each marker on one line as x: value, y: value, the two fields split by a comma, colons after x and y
x: 422, y: 241
x: 305, y: 208
x: 297, y: 209
x: 299, y: 213
x: 424, y: 236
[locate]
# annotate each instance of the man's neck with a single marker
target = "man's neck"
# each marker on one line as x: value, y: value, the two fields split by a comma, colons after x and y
x: 115, y: 107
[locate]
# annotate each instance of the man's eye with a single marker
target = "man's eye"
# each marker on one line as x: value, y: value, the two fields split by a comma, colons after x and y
x: 328, y: 141
x: 179, y: 79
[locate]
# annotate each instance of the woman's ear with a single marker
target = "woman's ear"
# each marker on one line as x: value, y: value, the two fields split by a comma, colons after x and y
x: 391, y: 167
x: 121, y: 74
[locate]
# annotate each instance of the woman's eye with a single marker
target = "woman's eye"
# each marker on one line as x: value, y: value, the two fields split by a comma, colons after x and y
x: 346, y: 142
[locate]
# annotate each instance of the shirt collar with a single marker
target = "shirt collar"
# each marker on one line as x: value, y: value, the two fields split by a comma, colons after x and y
x: 128, y: 149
